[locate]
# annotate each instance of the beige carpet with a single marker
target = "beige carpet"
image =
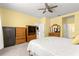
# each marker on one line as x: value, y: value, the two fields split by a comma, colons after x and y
x: 17, y: 50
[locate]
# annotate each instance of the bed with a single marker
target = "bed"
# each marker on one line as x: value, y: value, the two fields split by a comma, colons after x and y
x: 52, y: 46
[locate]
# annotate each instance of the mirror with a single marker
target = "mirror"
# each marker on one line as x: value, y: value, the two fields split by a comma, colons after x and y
x: 55, y: 28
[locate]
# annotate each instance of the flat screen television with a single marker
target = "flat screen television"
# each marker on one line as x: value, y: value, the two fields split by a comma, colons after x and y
x: 31, y: 30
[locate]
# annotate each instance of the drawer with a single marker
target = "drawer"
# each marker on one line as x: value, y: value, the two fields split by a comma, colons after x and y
x: 21, y: 37
x: 31, y: 37
x: 17, y: 35
x: 20, y: 41
x: 20, y: 32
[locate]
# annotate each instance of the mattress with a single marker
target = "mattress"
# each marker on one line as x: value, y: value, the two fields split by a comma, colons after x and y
x: 53, y: 46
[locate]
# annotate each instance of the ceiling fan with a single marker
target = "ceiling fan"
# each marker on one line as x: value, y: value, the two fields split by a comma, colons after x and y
x: 48, y: 8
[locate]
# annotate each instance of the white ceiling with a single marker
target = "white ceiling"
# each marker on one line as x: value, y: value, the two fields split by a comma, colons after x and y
x: 32, y: 8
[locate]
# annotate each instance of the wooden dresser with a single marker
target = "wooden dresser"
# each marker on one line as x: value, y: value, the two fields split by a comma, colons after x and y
x: 55, y: 30
x: 20, y: 35
x: 31, y: 33
x: 31, y: 37
x: 57, y: 34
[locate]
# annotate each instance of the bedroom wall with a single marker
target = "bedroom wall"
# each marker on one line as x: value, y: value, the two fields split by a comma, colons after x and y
x: 76, y: 23
x: 69, y: 19
x: 0, y: 11
x: 13, y: 18
x: 46, y: 23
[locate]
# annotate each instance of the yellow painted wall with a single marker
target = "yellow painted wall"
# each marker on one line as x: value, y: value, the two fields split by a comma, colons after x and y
x: 43, y: 20
x: 70, y: 19
x: 47, y: 27
x: 13, y: 18
x: 0, y: 11
x: 56, y: 20
x: 77, y: 24
x: 46, y: 23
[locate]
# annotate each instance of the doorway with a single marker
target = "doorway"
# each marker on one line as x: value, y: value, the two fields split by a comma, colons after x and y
x: 68, y: 30
x: 68, y: 27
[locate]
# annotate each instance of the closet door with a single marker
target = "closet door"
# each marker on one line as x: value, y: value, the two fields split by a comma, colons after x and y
x: 66, y: 32
x: 40, y: 33
x: 69, y: 30
x: 9, y: 36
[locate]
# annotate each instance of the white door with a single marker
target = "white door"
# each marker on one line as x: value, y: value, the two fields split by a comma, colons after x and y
x: 40, y: 32
x: 1, y: 36
x: 71, y: 30
x: 68, y: 30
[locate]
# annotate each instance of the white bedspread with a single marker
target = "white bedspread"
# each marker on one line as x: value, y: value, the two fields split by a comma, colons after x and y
x: 53, y: 46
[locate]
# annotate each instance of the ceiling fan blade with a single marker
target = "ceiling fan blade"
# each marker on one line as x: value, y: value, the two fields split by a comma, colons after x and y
x: 44, y: 11
x: 53, y: 7
x: 41, y: 9
x: 50, y: 10
x: 46, y: 5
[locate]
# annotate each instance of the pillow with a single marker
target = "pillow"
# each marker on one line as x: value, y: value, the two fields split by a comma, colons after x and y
x: 76, y: 40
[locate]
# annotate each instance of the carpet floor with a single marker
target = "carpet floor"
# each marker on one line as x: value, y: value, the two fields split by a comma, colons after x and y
x: 17, y: 50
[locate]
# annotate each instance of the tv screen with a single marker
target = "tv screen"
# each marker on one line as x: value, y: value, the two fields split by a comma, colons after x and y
x: 31, y: 30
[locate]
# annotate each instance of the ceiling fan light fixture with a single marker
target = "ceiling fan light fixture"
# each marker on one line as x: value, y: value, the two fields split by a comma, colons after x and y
x: 48, y: 8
